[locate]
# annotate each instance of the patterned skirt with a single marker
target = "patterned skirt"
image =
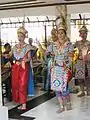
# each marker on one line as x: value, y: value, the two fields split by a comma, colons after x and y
x: 59, y: 80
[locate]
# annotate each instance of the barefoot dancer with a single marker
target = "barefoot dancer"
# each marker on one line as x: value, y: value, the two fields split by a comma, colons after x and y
x: 63, y: 52
x: 21, y: 53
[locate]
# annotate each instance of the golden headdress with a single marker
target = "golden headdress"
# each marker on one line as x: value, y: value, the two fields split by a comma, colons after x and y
x: 54, y: 33
x: 22, y: 29
x: 83, y: 28
x: 54, y: 30
x: 61, y: 24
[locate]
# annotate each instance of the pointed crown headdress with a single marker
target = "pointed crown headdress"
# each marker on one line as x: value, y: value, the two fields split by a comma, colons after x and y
x: 61, y: 23
x: 22, y: 29
x: 83, y: 28
x: 54, y: 31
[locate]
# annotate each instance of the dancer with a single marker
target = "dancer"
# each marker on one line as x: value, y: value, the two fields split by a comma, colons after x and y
x: 63, y: 53
x: 21, y: 53
x: 83, y: 47
x: 49, y: 59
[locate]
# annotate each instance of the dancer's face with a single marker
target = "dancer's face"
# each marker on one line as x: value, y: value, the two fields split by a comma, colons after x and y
x: 83, y: 35
x: 21, y: 37
x: 61, y: 35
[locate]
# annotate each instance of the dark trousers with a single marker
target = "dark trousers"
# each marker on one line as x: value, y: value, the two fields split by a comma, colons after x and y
x: 8, y: 89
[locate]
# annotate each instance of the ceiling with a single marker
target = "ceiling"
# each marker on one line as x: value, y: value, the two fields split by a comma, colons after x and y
x: 17, y: 4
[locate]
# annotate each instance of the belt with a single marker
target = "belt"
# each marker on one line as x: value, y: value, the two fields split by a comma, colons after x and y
x: 58, y: 65
x: 20, y: 60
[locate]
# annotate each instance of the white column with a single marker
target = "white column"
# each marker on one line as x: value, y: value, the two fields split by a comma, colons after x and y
x: 0, y: 85
x: 3, y: 109
x: 3, y: 113
x: 0, y: 71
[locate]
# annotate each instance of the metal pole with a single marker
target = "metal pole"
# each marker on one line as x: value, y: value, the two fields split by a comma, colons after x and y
x: 19, y: 22
x: 45, y: 29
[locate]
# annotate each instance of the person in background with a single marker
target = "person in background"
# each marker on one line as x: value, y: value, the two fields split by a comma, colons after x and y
x: 83, y: 47
x: 40, y: 52
x: 40, y: 59
x: 34, y: 51
x: 20, y: 69
x: 6, y: 60
x: 5, y: 55
x: 49, y: 58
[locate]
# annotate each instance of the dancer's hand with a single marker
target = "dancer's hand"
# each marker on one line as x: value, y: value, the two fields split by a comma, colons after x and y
x: 38, y: 43
x: 52, y: 53
x: 23, y: 64
x: 7, y: 56
x: 18, y: 63
x: 70, y: 54
x: 65, y: 68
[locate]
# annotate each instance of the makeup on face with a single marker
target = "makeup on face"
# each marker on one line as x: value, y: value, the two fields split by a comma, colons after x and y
x: 61, y: 35
x: 21, y: 37
x: 83, y: 35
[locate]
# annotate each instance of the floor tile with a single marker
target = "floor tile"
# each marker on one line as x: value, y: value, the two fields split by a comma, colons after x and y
x: 37, y: 93
x: 15, y: 113
x: 47, y: 111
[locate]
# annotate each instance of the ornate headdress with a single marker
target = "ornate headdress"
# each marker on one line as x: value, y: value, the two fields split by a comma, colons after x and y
x: 61, y: 24
x: 83, y: 28
x: 54, y: 30
x: 61, y: 21
x: 22, y: 29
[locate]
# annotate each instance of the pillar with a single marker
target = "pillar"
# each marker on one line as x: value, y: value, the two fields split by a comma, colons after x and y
x: 0, y: 71
x: 3, y: 109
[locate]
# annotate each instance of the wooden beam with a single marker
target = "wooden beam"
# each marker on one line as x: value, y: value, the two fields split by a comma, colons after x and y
x: 16, y: 2
x: 10, y: 7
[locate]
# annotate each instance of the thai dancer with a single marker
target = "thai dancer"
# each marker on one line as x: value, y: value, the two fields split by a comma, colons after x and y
x: 20, y: 73
x: 62, y: 53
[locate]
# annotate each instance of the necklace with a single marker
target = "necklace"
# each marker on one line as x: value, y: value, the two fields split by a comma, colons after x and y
x: 61, y: 47
x: 19, y: 48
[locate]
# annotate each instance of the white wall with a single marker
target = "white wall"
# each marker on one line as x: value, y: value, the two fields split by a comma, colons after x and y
x: 42, y: 11
x: 83, y: 8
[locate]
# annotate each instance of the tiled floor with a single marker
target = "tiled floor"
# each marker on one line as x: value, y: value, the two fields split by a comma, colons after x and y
x: 37, y: 92
x: 47, y: 111
x: 16, y: 114
x: 44, y: 107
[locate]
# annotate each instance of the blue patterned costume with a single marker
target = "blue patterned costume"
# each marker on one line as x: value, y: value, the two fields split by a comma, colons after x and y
x: 59, y: 76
